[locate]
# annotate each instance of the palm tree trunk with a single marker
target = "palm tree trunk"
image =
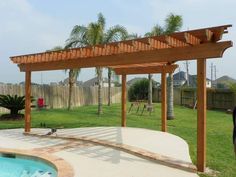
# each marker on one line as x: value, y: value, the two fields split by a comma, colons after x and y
x: 150, y: 89
x: 70, y: 88
x: 99, y: 73
x: 72, y: 79
x: 109, y: 87
x: 170, y: 98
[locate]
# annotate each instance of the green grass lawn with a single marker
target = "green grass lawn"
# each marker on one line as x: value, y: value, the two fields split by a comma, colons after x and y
x: 220, y: 154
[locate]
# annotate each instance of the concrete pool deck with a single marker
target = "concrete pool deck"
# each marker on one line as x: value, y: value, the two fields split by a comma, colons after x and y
x: 98, y: 160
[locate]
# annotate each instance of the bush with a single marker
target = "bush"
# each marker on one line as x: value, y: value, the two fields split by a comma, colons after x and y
x: 13, y: 103
x: 139, y: 90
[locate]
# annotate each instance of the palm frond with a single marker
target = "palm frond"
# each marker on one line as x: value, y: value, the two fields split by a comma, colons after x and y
x: 56, y: 48
x: 116, y: 33
x: 157, y: 30
x: 101, y: 21
x: 14, y: 103
x: 173, y: 23
x: 77, y: 37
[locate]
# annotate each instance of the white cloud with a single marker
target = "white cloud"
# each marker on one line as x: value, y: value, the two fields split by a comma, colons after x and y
x: 28, y: 28
x: 25, y: 30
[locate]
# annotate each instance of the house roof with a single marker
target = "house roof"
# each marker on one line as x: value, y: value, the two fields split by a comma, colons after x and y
x: 181, y: 75
x: 94, y: 80
x: 225, y: 79
x: 66, y: 81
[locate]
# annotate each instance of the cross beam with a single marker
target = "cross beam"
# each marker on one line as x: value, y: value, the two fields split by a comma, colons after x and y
x: 146, y: 69
x: 206, y: 50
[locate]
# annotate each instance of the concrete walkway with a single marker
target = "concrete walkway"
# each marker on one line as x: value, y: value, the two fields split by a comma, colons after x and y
x: 89, y: 159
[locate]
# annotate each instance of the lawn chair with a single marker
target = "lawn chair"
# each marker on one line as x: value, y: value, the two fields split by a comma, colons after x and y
x: 41, y: 104
x: 148, y: 107
x: 134, y: 104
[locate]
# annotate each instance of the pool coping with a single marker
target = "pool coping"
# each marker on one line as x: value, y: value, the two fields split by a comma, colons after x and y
x: 63, y: 168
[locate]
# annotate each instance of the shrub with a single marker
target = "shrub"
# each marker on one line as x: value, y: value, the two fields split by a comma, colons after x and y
x: 13, y: 103
x: 139, y: 90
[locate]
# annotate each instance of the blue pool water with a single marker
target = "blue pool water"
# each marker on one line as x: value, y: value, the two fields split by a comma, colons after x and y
x: 21, y: 167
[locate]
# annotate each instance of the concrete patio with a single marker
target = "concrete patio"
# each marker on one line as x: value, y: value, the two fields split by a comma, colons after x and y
x: 102, y: 151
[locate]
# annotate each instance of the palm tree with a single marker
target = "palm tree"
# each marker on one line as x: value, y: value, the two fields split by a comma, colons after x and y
x: 156, y: 31
x: 173, y: 23
x: 73, y: 75
x: 94, y: 34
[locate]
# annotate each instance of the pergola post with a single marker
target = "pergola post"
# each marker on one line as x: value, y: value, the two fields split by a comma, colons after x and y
x: 163, y: 102
x: 201, y: 114
x: 123, y: 100
x: 27, y: 101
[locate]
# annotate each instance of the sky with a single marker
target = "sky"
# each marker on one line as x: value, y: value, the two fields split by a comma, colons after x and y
x: 30, y: 26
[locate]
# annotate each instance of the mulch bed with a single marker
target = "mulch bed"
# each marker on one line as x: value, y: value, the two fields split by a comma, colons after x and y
x: 17, y: 117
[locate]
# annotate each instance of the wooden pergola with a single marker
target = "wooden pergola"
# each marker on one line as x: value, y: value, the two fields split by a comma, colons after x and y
x: 155, y: 54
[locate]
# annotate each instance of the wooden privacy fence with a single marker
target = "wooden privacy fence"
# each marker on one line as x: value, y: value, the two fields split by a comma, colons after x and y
x: 157, y: 95
x: 216, y: 98
x: 57, y: 96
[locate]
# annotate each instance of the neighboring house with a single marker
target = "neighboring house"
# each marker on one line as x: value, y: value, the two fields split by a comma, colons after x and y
x: 208, y: 83
x: 193, y: 81
x: 94, y: 82
x: 223, y: 82
x: 65, y: 82
x: 180, y: 79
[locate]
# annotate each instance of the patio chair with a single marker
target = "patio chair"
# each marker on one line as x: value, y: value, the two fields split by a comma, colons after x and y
x: 148, y: 107
x: 41, y: 104
x: 134, y: 104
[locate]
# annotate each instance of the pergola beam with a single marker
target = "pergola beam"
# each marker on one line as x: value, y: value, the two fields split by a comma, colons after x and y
x: 123, y: 101
x: 27, y: 101
x: 191, y: 39
x: 174, y: 42
x: 201, y: 114
x: 145, y: 70
x: 163, y: 103
x: 207, y: 50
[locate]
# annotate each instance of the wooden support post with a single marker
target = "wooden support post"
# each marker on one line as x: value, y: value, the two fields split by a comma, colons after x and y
x: 123, y: 99
x: 201, y: 115
x: 27, y: 101
x: 163, y: 102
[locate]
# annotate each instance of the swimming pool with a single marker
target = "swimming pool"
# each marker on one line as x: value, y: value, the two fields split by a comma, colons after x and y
x: 22, y: 166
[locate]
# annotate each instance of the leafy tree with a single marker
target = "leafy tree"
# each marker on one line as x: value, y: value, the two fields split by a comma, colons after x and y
x: 173, y: 23
x: 139, y: 90
x: 94, y: 34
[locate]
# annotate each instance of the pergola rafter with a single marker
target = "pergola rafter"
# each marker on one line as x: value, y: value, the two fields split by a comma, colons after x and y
x: 156, y: 54
x: 175, y: 40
